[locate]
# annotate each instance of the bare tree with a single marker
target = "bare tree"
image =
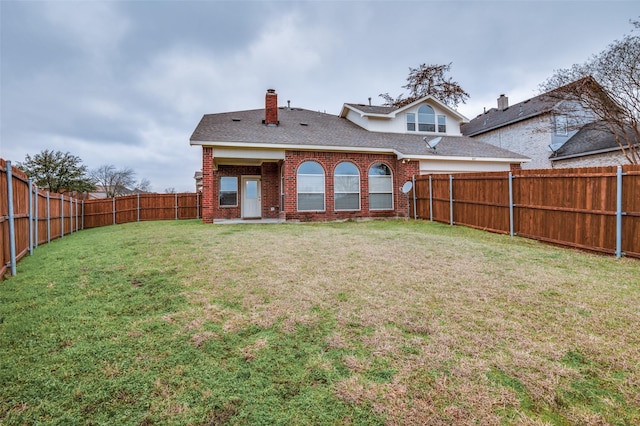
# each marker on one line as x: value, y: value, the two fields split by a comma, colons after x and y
x: 429, y: 80
x: 114, y: 182
x: 608, y: 85
x: 170, y: 190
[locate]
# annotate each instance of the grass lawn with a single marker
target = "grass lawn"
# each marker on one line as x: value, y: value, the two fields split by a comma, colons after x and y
x: 382, y: 322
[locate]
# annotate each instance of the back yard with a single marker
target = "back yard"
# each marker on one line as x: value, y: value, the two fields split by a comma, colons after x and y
x: 384, y: 322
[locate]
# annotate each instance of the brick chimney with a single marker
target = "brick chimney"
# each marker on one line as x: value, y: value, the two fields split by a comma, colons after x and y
x: 503, y: 102
x: 271, y: 108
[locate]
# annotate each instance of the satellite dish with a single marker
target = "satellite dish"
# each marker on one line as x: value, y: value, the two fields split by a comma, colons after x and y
x: 433, y: 142
x: 407, y: 187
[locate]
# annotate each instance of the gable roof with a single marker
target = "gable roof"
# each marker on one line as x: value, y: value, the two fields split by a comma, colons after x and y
x: 303, y: 129
x: 592, y: 138
x: 496, y: 118
x: 391, y: 111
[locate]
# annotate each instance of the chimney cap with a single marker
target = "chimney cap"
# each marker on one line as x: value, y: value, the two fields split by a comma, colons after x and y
x: 271, y: 90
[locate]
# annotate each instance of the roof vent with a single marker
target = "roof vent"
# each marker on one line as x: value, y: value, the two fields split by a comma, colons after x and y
x: 236, y: 119
x: 304, y: 124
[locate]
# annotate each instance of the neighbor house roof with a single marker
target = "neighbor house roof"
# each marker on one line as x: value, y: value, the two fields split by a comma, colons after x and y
x: 593, y: 138
x: 496, y: 118
x: 303, y: 129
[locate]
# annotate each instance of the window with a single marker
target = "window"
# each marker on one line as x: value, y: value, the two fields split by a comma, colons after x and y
x: 380, y: 188
x: 346, y: 184
x: 426, y: 119
x: 561, y: 125
x: 411, y: 122
x: 310, y: 187
x: 442, y: 124
x: 228, y: 191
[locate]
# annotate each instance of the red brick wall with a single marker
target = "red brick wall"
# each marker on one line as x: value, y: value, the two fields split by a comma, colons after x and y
x: 329, y: 160
x: 271, y: 173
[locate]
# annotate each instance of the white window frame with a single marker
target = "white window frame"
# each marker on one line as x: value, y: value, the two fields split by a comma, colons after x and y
x: 335, y: 186
x: 220, y: 191
x: 390, y: 177
x: 323, y: 192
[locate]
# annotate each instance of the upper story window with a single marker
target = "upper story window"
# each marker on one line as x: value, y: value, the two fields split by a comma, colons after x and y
x: 561, y: 125
x: 346, y: 184
x: 228, y: 191
x: 442, y: 124
x: 310, y: 187
x: 380, y: 187
x: 411, y: 122
x: 426, y: 119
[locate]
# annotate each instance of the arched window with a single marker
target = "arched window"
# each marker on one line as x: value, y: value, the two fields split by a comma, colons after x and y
x: 346, y: 187
x: 426, y: 119
x: 380, y: 187
x: 310, y: 187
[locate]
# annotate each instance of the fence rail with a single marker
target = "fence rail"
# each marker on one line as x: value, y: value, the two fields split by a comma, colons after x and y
x: 30, y: 216
x: 596, y: 209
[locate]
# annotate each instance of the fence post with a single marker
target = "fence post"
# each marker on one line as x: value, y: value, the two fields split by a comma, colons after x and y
x: 114, y: 209
x: 82, y: 221
x: 138, y: 207
x: 176, y: 201
x: 37, y: 222
x: 62, y: 215
x: 619, y: 212
x: 511, y: 204
x: 451, y: 200
x: 430, y: 199
x: 48, y: 218
x: 413, y: 185
x: 12, y: 232
x: 30, y: 183
x: 197, y: 205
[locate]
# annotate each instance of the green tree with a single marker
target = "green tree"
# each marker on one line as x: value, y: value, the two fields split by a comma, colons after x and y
x: 429, y: 80
x: 608, y: 85
x: 57, y: 171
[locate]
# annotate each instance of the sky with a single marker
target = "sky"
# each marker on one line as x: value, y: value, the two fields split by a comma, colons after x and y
x: 125, y: 83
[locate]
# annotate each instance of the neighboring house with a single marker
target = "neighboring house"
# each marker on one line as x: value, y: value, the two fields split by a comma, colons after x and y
x: 296, y: 164
x: 198, y: 178
x: 543, y: 128
x: 593, y: 145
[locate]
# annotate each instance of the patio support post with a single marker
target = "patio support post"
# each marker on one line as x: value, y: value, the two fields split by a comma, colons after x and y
x: 511, y: 204
x: 619, y: 212
x: 12, y: 232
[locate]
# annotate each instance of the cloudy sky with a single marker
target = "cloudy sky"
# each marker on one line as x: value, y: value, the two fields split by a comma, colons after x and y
x: 126, y: 82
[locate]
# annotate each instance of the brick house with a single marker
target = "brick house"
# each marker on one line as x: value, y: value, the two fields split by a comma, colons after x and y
x: 551, y: 131
x: 295, y: 164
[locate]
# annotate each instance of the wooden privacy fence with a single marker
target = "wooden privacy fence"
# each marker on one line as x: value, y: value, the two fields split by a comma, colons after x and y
x: 30, y: 216
x: 588, y: 208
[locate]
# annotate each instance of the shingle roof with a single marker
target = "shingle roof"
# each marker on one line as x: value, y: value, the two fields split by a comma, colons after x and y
x: 592, y: 138
x: 373, y: 109
x: 496, y: 118
x: 300, y: 127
